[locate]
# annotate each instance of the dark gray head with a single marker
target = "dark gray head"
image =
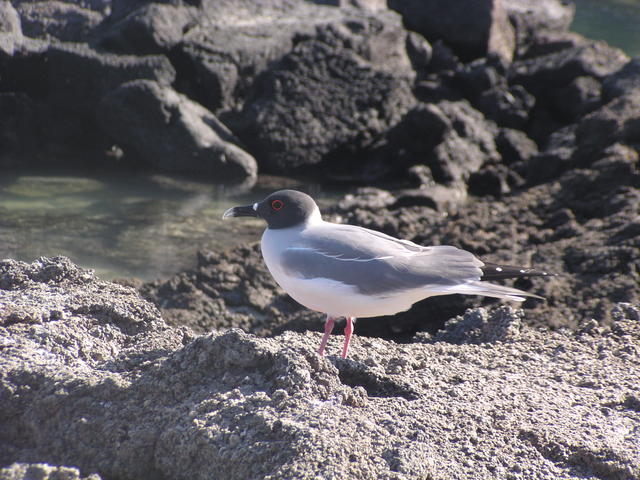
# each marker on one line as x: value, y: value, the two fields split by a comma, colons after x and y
x: 281, y: 209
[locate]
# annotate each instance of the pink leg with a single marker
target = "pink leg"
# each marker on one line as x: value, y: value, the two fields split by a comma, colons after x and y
x: 328, y: 327
x: 348, y: 330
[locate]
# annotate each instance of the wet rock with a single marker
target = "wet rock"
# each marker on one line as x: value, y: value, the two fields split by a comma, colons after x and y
x: 64, y: 21
x: 472, y: 28
x: 111, y: 392
x: 173, y: 133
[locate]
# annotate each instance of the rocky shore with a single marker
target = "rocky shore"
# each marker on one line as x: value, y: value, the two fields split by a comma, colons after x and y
x: 94, y: 384
x: 482, y: 124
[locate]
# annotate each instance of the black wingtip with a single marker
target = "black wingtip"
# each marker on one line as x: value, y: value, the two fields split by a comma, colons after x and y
x: 493, y: 271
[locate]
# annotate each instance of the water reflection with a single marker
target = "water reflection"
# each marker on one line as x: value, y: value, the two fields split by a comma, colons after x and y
x: 147, y: 226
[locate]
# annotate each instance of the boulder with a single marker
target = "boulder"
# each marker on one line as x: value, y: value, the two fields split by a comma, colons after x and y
x: 543, y: 74
x: 224, y: 60
x: 152, y: 28
x: 173, y: 133
x: 534, y: 20
x: 328, y: 98
x: 473, y: 28
x: 617, y: 121
x: 66, y: 81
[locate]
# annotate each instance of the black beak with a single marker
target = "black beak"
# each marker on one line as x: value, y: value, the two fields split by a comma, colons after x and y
x: 246, y: 211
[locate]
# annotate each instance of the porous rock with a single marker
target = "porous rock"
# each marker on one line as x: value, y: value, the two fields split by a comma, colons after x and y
x: 331, y: 96
x: 106, y: 389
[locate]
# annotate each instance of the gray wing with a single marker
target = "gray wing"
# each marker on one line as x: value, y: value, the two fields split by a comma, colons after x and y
x: 375, y: 263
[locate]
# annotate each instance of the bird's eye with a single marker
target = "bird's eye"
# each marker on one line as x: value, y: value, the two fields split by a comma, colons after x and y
x: 277, y: 205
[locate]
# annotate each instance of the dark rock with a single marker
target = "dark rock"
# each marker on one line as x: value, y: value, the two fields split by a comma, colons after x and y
x: 576, y: 99
x: 467, y: 144
x: 173, y: 133
x: 533, y: 20
x: 548, y: 42
x: 67, y: 81
x: 490, y: 180
x: 325, y: 100
x: 514, y: 146
x: 63, y: 21
x: 508, y: 107
x: 221, y: 59
x: 19, y: 129
x: 617, y: 121
x: 420, y: 53
x: 473, y: 28
x: 152, y: 28
x: 443, y: 58
x: 541, y: 75
x: 451, y: 138
x: 623, y: 81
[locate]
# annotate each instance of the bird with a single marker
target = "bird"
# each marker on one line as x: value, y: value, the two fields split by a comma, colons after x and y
x: 354, y: 272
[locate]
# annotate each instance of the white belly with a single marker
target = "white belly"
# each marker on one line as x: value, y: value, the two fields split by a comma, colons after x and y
x: 328, y: 296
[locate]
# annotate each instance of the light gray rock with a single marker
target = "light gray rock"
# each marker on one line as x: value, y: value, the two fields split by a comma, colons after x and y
x: 169, y: 131
x: 42, y: 471
x: 92, y: 377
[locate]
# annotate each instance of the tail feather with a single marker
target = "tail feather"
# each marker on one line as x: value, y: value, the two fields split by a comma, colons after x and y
x: 491, y: 290
x: 494, y: 271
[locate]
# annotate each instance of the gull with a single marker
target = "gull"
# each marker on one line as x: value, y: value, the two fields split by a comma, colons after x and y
x: 354, y: 272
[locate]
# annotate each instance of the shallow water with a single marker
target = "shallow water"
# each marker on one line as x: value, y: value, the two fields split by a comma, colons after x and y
x: 125, y: 225
x: 616, y: 21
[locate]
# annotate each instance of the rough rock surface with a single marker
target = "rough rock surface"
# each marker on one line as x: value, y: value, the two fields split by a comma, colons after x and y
x: 331, y: 95
x: 170, y: 131
x: 91, y: 378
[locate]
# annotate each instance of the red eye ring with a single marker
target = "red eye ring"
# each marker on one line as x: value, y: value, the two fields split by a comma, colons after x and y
x: 277, y: 205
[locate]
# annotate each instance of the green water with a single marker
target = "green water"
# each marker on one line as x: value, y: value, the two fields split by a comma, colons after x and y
x: 616, y: 21
x: 125, y: 225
